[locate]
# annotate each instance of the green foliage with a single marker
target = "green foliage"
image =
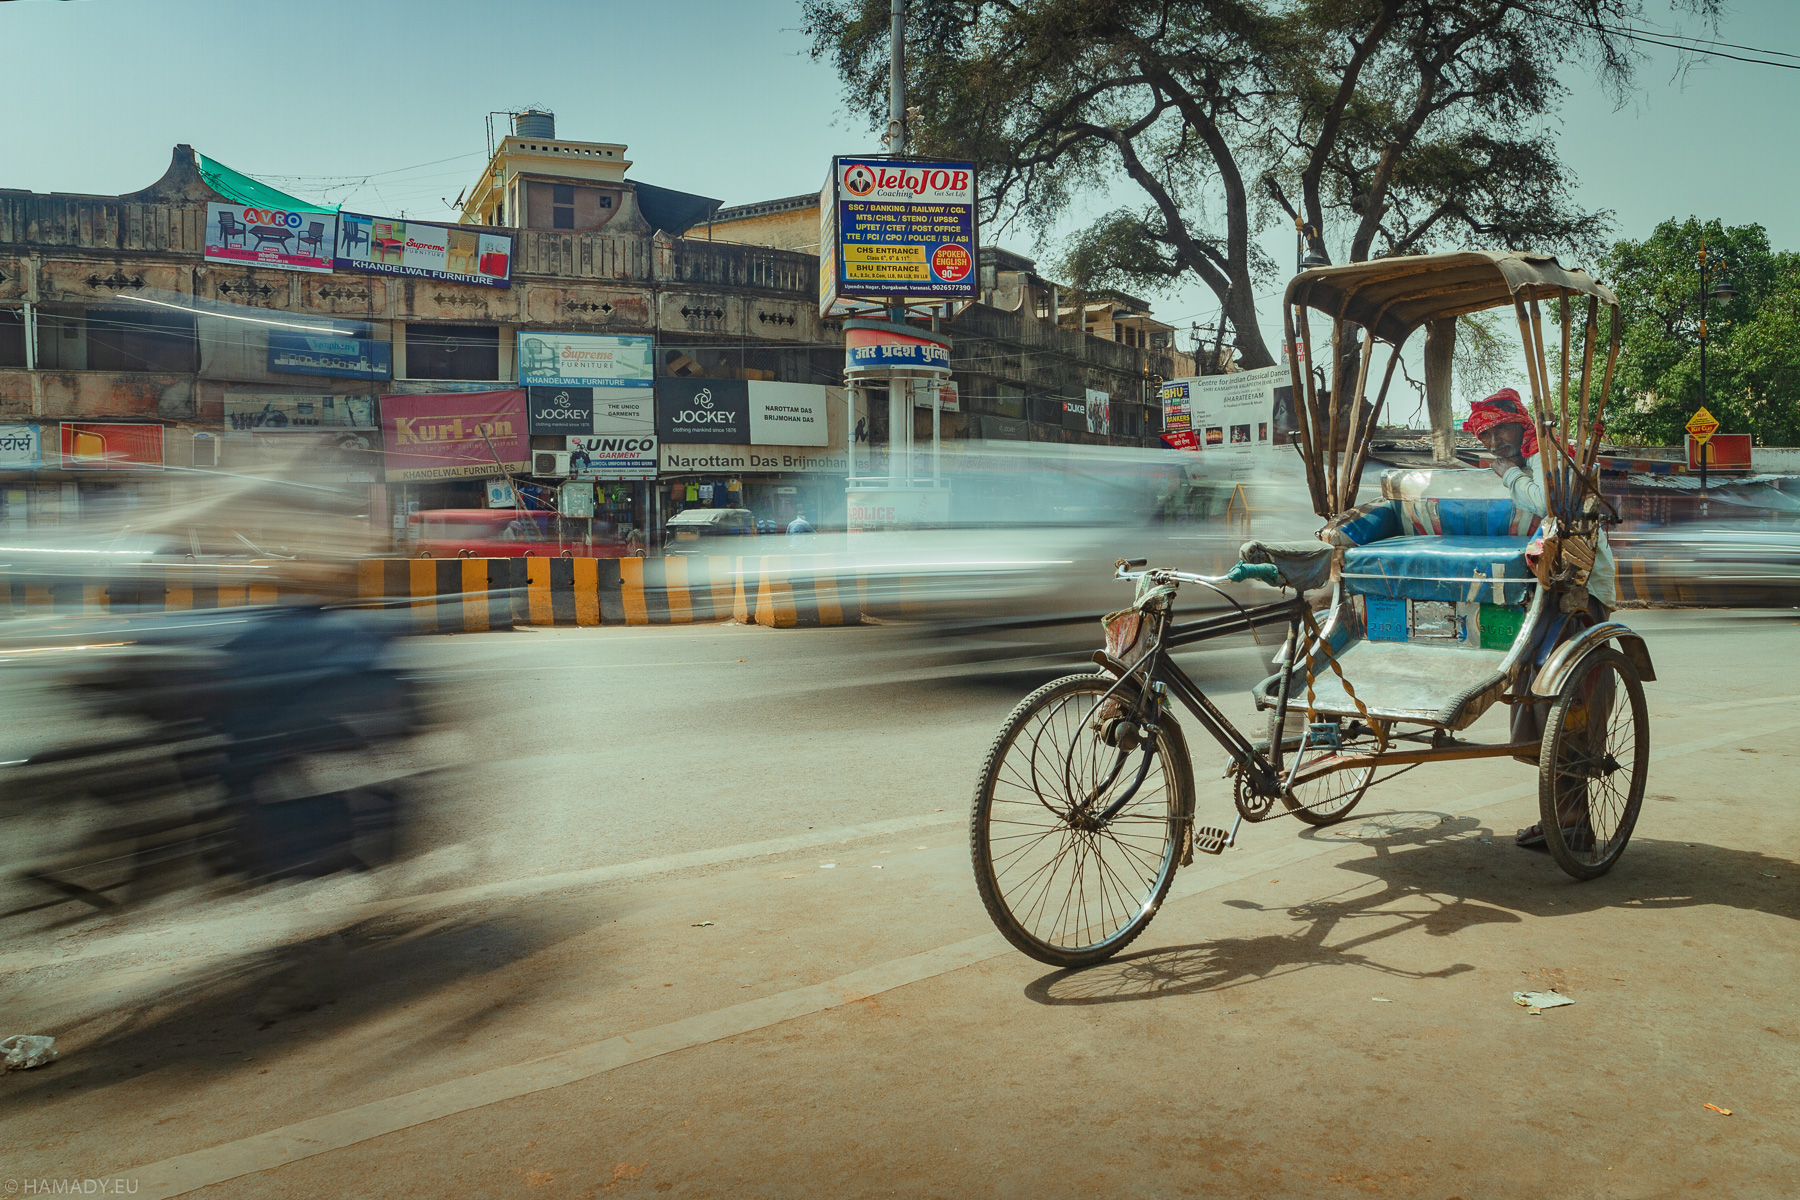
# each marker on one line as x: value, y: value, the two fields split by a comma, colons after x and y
x: 1753, y: 341
x: 1380, y: 126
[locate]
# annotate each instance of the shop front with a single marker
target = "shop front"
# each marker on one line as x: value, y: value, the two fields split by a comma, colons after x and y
x: 58, y: 475
x: 777, y: 449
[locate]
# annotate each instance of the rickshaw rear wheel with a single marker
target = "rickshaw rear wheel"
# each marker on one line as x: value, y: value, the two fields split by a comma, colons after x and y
x: 1593, y: 764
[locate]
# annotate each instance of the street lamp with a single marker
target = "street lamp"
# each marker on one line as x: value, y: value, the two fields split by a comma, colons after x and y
x: 1305, y: 258
x: 1722, y: 290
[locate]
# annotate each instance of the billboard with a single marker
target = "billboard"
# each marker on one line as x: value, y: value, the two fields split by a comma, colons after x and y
x: 585, y: 359
x: 742, y: 412
x: 1099, y: 411
x: 270, y: 237
x: 390, y: 246
x: 258, y: 412
x: 703, y: 410
x: 903, y: 228
x: 1724, y: 452
x: 453, y: 435
x: 624, y: 410
x: 89, y: 446
x: 560, y: 410
x: 292, y: 353
x: 22, y: 447
x: 1178, y: 415
x: 601, y: 456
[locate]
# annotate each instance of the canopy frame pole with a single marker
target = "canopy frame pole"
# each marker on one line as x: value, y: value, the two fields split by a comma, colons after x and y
x: 1336, y: 400
x: 1568, y: 460
x: 1362, y: 451
x: 1346, y: 485
x: 1304, y: 402
x: 1532, y: 364
x: 1591, y: 335
x: 1612, y: 360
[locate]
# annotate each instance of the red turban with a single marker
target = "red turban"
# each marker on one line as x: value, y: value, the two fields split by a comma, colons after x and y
x: 1502, y: 408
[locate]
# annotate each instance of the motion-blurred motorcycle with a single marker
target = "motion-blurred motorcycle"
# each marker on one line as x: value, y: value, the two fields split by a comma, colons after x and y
x: 245, y: 747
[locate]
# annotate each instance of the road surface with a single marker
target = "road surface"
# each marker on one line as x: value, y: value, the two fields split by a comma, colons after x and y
x: 698, y: 920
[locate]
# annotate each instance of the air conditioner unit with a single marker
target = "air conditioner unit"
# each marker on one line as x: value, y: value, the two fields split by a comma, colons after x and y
x: 550, y: 463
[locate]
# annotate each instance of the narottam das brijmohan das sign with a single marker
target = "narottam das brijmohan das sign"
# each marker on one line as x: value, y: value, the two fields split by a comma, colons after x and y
x: 893, y: 228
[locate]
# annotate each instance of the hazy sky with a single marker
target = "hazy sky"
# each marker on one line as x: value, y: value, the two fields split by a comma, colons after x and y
x: 360, y: 102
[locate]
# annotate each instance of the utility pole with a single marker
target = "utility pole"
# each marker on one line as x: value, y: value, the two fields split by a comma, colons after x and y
x: 896, y: 138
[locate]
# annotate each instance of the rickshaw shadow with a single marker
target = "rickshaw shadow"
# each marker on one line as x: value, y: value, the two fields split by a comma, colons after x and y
x: 1439, y: 875
x: 1235, y: 962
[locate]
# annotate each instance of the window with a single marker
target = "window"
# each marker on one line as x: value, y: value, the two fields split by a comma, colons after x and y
x: 565, y: 206
x: 129, y: 340
x: 12, y: 338
x: 452, y: 352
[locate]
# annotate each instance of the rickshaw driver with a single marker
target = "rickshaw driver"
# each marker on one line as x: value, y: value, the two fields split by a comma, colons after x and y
x: 1506, y: 429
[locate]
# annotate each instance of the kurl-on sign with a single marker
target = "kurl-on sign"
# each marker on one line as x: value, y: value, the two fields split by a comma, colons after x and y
x: 456, y: 434
x: 901, y: 228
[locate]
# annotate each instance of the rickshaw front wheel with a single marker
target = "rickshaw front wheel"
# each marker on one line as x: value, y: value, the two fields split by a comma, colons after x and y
x: 1592, y: 767
x: 1327, y: 799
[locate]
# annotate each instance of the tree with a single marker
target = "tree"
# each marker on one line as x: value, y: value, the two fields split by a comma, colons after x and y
x: 1753, y: 341
x: 1410, y: 124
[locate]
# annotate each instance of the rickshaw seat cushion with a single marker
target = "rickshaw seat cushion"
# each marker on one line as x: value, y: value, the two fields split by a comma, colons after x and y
x: 1441, y: 568
x: 1431, y: 516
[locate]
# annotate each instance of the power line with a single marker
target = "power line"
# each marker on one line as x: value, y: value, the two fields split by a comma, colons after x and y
x: 1692, y: 45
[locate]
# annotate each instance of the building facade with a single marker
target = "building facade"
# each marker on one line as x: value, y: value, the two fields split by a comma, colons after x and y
x: 128, y: 353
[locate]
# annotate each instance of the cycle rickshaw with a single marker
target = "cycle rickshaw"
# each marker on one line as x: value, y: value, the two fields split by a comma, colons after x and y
x: 1435, y: 609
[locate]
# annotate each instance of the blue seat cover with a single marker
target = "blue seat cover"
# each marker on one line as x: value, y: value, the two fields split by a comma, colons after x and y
x: 1440, y: 568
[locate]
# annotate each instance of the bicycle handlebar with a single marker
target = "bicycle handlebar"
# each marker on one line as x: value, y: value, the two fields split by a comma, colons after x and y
x: 1258, y: 572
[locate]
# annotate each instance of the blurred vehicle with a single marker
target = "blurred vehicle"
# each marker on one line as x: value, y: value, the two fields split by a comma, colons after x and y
x: 1725, y: 564
x: 692, y: 530
x: 510, y: 533
x: 231, y: 745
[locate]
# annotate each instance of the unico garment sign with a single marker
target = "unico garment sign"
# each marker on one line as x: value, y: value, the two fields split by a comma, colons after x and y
x: 703, y: 410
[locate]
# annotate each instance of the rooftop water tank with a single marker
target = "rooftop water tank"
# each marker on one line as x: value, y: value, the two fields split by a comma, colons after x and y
x: 535, y: 123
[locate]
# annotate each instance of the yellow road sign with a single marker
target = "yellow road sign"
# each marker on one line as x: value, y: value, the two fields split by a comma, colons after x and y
x: 1701, y: 426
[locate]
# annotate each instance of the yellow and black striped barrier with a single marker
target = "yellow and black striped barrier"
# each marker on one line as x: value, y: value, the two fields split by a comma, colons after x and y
x: 152, y: 588
x: 458, y: 595
x: 473, y: 594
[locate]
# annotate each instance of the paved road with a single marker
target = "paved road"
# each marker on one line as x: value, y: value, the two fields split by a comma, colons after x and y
x: 699, y: 921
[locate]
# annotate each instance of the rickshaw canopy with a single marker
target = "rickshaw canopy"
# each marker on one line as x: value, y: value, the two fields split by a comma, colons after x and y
x: 1394, y: 296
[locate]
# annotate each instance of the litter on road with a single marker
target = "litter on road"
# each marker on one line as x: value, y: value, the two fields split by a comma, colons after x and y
x: 1717, y: 1109
x: 23, y: 1051
x: 701, y: 924
x: 1536, y: 1002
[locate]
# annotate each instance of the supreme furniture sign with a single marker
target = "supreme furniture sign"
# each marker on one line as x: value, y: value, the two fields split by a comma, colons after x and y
x: 585, y: 359
x: 453, y: 435
x: 390, y: 246
x: 898, y: 228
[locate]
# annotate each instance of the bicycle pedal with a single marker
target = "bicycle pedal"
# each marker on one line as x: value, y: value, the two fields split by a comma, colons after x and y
x: 1209, y: 840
